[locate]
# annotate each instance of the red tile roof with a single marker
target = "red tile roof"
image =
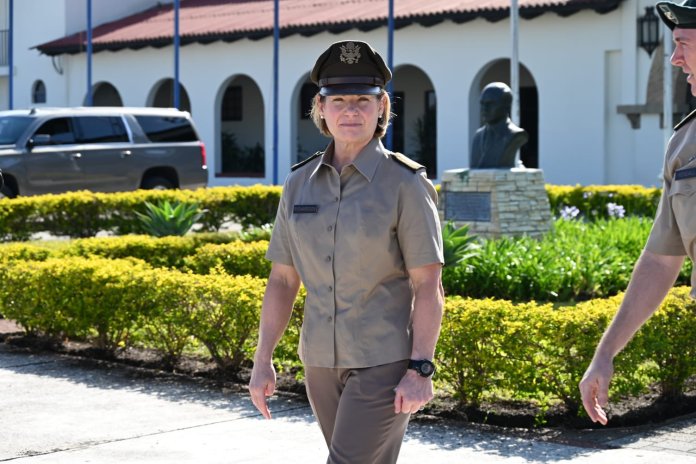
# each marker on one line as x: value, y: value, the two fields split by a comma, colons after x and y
x: 211, y: 20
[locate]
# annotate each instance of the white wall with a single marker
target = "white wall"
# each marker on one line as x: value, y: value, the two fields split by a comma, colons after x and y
x: 31, y: 29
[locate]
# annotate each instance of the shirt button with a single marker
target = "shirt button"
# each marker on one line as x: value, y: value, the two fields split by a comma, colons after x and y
x: 328, y: 259
x: 330, y: 228
x: 336, y: 198
x: 330, y: 319
x: 330, y: 288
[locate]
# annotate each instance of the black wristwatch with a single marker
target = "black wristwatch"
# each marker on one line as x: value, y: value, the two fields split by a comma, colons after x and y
x: 423, y: 367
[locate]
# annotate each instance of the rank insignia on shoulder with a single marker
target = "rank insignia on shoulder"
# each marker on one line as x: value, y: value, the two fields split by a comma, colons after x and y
x: 406, y: 161
x: 683, y: 122
x: 302, y: 163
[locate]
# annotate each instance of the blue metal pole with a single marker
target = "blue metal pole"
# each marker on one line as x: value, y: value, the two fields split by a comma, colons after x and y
x: 89, y: 53
x: 176, y: 54
x: 11, y: 58
x: 390, y: 63
x: 276, y: 47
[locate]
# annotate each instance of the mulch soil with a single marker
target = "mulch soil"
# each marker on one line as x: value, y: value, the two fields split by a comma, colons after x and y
x: 626, y: 415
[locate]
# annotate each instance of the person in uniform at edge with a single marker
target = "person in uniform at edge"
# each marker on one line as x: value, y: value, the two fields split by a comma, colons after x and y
x: 673, y: 234
x: 358, y: 226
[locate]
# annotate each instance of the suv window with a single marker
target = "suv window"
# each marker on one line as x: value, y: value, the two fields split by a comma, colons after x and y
x: 60, y: 130
x: 167, y: 129
x: 101, y: 129
x: 11, y: 127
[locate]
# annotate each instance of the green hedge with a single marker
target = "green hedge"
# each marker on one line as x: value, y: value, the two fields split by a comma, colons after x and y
x: 492, y: 348
x: 83, y: 213
x: 577, y: 260
x: 120, y: 303
x: 592, y: 200
x: 488, y: 348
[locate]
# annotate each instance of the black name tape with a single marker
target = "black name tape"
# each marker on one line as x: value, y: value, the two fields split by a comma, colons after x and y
x: 684, y: 173
x: 305, y: 209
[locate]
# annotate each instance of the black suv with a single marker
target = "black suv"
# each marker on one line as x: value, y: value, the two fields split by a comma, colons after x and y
x: 54, y: 150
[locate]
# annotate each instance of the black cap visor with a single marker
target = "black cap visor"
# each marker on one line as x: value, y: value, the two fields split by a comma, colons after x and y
x: 350, y: 89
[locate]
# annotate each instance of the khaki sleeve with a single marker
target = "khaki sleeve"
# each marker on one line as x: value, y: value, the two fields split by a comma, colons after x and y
x: 279, y: 250
x: 665, y: 238
x: 418, y: 229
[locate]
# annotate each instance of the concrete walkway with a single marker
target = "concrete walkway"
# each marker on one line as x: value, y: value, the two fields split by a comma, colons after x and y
x: 55, y: 409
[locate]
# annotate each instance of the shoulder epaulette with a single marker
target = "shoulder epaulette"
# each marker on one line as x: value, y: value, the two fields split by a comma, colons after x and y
x: 406, y: 161
x: 302, y: 163
x: 683, y: 122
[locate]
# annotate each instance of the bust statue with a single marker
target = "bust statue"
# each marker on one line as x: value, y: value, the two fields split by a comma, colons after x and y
x: 496, y: 143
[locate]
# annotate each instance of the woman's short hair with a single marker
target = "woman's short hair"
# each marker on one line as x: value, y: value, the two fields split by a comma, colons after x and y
x: 382, y: 122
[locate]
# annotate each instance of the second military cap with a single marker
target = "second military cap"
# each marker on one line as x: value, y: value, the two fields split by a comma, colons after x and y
x: 350, y: 67
x: 682, y: 15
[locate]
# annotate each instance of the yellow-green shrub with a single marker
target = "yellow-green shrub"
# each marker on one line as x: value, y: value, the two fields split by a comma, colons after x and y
x: 157, y: 251
x: 529, y: 351
x: 18, y: 218
x: 83, y: 298
x: 23, y: 251
x: 668, y: 340
x: 236, y: 258
x: 120, y: 302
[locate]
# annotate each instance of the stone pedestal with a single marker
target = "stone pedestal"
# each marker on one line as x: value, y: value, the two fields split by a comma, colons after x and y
x: 496, y: 202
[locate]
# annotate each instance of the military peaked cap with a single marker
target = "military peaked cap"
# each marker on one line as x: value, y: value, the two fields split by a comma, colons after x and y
x: 350, y: 67
x: 681, y: 15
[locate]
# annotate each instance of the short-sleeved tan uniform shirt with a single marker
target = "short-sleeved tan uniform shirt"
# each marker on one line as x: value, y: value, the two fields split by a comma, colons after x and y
x: 352, y: 237
x: 674, y: 230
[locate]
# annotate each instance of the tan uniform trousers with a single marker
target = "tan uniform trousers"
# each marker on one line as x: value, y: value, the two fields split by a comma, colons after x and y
x: 355, y: 410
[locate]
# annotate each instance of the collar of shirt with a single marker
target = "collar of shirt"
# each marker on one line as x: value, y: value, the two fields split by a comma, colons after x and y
x: 365, y: 163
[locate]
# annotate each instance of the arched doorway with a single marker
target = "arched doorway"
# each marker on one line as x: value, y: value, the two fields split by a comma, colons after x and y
x: 499, y: 71
x: 307, y: 138
x: 162, y: 96
x: 414, y: 125
x: 105, y: 94
x: 240, y: 119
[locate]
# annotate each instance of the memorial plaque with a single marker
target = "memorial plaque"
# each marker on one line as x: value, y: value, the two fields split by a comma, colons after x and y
x: 468, y: 206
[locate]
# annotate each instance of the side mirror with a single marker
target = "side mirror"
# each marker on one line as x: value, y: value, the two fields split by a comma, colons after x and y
x: 38, y: 140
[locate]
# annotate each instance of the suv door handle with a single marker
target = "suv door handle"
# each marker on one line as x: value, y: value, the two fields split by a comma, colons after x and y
x: 76, y: 155
x: 125, y: 153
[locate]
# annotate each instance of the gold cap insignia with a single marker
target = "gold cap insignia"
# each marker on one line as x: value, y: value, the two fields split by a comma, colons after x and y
x: 668, y: 14
x: 350, y: 53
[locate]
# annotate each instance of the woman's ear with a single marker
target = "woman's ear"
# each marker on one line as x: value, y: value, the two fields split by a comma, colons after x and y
x: 320, y: 105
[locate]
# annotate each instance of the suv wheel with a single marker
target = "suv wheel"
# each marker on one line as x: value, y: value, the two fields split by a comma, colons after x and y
x: 6, y: 192
x: 157, y: 183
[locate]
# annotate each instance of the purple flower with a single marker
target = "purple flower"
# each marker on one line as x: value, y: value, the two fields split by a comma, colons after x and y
x: 568, y: 213
x: 615, y: 211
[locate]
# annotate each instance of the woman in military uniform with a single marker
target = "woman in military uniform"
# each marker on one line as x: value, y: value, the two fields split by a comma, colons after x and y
x: 358, y: 226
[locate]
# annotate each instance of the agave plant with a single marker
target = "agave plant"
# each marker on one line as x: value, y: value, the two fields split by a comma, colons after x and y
x: 167, y: 218
x: 458, y: 244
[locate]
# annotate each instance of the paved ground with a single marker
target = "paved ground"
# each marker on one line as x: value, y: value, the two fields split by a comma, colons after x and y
x: 57, y: 410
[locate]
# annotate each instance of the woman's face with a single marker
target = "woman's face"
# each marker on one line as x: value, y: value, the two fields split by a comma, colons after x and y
x: 352, y: 118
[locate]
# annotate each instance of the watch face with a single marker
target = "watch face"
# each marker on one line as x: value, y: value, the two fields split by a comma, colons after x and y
x: 427, y: 368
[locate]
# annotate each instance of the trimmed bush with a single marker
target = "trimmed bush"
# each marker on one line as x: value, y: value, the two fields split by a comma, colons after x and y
x: 24, y: 251
x: 236, y: 258
x: 592, y: 200
x: 83, y: 214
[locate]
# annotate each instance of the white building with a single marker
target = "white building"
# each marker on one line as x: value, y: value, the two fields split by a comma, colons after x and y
x: 590, y: 97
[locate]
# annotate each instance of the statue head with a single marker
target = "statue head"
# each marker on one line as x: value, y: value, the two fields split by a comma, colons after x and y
x: 496, y: 102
